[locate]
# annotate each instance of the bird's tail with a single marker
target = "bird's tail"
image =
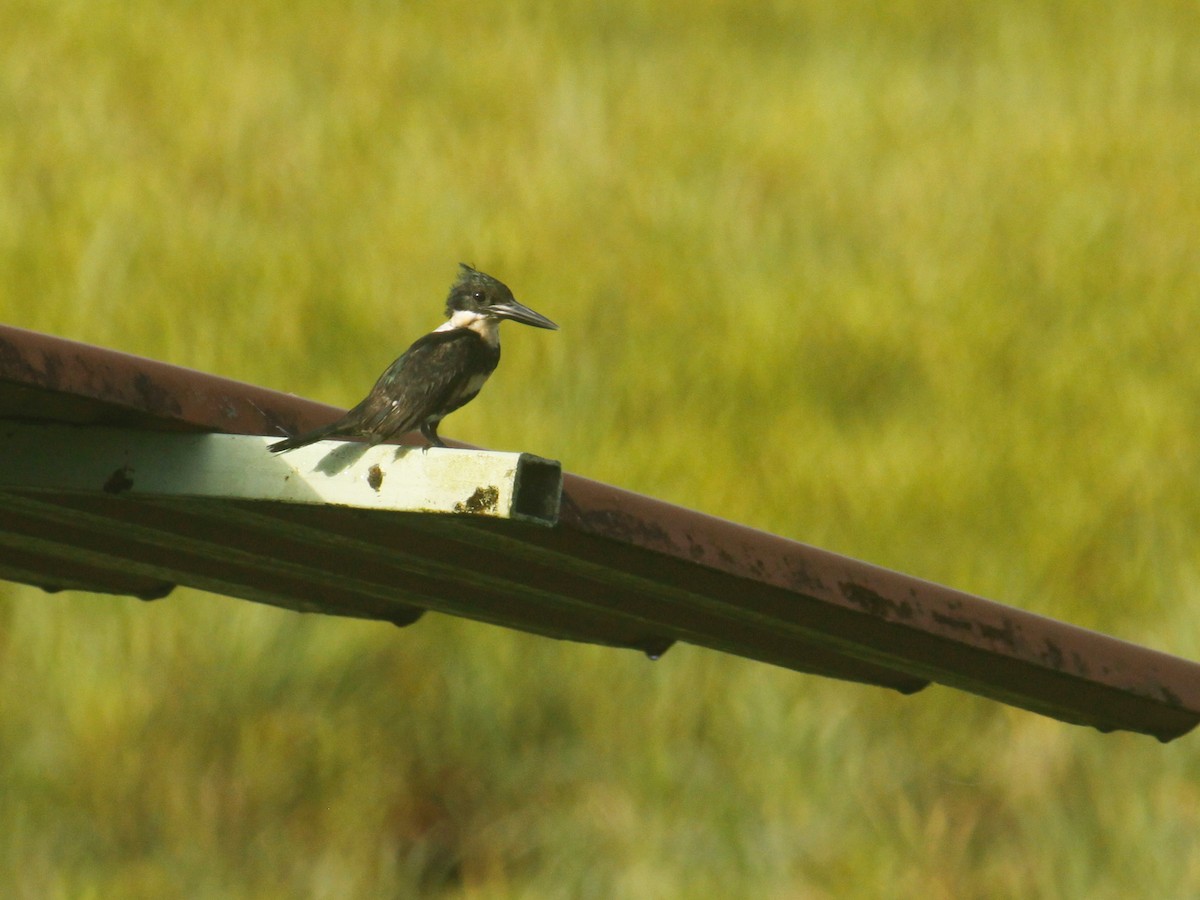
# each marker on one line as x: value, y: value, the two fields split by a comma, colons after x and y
x: 303, y: 440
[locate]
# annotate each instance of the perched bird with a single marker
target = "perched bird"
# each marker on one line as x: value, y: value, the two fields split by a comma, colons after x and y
x: 439, y: 372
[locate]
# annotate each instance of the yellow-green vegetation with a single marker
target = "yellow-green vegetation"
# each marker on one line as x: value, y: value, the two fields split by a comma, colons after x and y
x: 916, y: 282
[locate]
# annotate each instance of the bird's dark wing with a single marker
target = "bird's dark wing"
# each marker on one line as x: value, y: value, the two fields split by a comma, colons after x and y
x: 436, y: 375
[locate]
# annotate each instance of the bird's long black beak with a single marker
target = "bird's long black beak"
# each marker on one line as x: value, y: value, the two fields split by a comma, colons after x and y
x: 511, y: 309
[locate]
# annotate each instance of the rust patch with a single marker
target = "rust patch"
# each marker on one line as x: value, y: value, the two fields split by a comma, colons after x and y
x: 484, y: 500
x: 15, y: 365
x: 1053, y: 656
x: 119, y: 481
x: 876, y: 604
x: 800, y: 579
x: 1081, y: 666
x: 375, y: 477
x: 952, y: 622
x: 1008, y: 637
x: 615, y: 524
x: 156, y: 396
x: 629, y: 528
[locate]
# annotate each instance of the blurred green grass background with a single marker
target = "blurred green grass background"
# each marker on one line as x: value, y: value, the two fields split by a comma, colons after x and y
x: 915, y: 282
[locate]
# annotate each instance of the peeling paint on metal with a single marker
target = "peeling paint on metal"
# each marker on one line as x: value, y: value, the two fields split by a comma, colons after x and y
x: 375, y: 477
x: 483, y: 500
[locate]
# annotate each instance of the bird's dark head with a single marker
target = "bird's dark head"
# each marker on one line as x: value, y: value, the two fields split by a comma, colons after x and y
x: 485, y: 297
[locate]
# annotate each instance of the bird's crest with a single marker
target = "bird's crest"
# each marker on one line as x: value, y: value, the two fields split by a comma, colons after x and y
x: 468, y: 274
x: 466, y: 289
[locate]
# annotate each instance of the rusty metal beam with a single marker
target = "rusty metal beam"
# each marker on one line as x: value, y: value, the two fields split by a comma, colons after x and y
x: 618, y: 568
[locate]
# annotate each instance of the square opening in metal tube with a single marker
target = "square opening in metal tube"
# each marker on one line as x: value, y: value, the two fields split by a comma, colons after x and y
x: 537, y: 490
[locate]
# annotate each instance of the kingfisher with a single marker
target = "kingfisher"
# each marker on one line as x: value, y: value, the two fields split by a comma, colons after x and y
x: 439, y: 373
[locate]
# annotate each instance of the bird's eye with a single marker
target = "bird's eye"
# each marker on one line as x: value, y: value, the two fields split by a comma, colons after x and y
x: 478, y: 295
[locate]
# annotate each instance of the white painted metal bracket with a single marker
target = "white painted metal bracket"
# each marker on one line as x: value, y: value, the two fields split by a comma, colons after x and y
x: 239, y: 467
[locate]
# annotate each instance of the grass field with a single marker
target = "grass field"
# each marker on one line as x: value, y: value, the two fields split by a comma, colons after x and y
x: 915, y: 282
